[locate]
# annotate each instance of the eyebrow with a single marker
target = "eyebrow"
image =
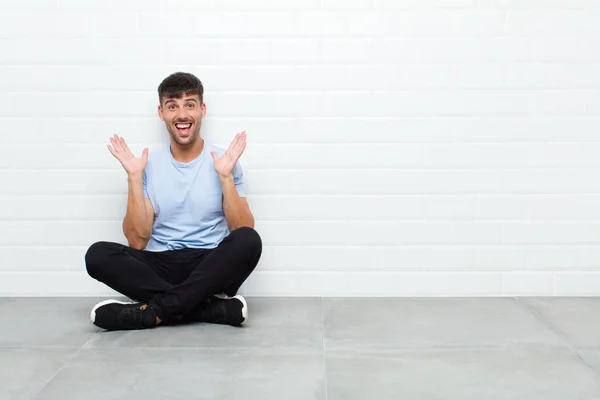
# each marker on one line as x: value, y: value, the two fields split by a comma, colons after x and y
x: 188, y: 99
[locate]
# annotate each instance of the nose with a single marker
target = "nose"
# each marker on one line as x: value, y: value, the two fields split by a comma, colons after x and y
x: 183, y: 113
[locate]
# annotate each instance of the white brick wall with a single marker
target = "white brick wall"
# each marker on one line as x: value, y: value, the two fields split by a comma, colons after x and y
x: 396, y: 147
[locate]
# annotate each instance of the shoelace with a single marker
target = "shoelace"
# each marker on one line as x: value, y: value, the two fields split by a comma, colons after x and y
x: 218, y: 310
x: 132, y: 317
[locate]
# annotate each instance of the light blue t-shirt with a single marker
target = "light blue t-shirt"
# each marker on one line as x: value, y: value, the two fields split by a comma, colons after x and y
x: 187, y: 200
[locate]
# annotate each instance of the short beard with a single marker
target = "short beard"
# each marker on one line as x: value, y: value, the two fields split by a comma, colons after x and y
x: 189, y: 141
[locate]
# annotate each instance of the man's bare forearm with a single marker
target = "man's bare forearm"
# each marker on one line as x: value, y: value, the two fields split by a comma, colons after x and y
x: 135, y: 224
x: 234, y: 208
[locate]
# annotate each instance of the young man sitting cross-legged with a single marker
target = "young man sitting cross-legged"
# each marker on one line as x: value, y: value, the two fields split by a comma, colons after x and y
x: 189, y: 228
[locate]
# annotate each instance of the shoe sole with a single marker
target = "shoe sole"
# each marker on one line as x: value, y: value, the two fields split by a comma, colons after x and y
x: 103, y: 303
x: 244, y: 308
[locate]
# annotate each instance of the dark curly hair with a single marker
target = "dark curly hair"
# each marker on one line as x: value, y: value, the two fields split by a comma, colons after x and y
x: 179, y: 84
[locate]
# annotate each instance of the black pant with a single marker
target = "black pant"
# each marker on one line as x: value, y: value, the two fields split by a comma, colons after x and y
x: 175, y: 283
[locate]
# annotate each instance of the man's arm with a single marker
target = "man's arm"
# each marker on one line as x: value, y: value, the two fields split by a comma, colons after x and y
x: 139, y: 218
x: 236, y: 209
x: 137, y: 224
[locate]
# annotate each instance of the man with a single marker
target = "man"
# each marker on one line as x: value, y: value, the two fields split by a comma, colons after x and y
x: 189, y: 228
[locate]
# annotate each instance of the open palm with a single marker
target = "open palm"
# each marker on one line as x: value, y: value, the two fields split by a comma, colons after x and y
x: 225, y: 164
x: 132, y: 164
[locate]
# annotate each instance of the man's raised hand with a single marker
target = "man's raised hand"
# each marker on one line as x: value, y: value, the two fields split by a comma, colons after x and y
x: 133, y: 165
x: 225, y: 164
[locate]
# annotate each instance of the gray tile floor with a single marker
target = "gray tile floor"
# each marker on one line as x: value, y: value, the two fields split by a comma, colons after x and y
x: 311, y: 348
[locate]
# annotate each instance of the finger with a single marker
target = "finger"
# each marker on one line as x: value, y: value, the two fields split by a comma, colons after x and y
x: 238, y: 149
x: 122, y: 144
x: 234, y: 144
x: 237, y: 153
x: 145, y: 156
x: 119, y: 151
x: 112, y: 151
x: 235, y: 140
x: 125, y: 148
x: 242, y: 150
x: 115, y: 140
x: 241, y: 142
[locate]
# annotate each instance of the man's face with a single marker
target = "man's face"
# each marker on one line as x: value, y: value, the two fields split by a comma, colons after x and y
x: 183, y: 117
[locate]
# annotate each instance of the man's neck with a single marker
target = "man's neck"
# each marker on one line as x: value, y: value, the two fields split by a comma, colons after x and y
x: 187, y: 153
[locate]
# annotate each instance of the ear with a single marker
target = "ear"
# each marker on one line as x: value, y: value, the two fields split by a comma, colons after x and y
x: 203, y: 111
x: 160, y: 113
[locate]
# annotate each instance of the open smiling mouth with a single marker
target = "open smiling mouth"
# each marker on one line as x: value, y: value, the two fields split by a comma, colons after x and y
x: 183, y: 129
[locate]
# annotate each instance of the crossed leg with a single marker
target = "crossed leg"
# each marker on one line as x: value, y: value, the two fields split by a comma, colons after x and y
x: 178, y: 285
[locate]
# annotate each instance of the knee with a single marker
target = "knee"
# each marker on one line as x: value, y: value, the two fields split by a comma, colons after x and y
x: 249, y: 240
x: 96, y: 257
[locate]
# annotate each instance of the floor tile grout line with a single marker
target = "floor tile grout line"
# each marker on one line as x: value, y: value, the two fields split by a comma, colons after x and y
x: 219, y: 348
x: 68, y: 360
x: 323, y: 347
x: 562, y: 336
x: 36, y: 347
x: 293, y: 350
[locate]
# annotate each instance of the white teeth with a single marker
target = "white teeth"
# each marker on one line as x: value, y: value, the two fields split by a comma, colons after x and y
x: 183, y: 126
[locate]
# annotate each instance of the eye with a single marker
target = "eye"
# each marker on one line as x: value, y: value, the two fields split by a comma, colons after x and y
x: 171, y: 107
x: 191, y: 105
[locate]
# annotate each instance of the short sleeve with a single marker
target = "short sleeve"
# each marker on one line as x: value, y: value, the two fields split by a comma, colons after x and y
x: 238, y: 179
x: 145, y: 184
